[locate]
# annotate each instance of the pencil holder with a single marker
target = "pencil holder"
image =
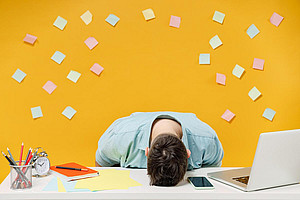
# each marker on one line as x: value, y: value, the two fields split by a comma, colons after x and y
x: 20, y: 176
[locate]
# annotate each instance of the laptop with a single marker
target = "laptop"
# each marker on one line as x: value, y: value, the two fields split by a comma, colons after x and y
x: 276, y: 163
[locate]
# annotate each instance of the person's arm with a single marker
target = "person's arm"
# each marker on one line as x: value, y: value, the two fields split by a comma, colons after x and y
x: 97, y: 165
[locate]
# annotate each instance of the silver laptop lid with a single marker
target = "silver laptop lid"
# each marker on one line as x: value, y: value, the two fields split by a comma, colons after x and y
x: 276, y: 161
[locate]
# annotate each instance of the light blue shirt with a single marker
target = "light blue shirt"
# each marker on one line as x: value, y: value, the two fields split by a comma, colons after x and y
x: 125, y: 141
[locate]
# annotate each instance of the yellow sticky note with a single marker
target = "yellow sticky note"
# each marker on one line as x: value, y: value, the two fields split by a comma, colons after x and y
x: 60, y: 186
x: 87, y: 17
x: 148, y: 14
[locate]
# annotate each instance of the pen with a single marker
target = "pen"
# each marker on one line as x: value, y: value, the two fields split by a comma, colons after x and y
x: 22, y: 147
x: 71, y: 168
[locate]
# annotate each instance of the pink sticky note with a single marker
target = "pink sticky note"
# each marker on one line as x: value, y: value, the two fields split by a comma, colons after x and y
x: 49, y: 87
x: 175, y: 21
x: 221, y: 78
x: 30, y: 39
x: 97, y: 69
x: 91, y: 42
x: 276, y: 19
x: 258, y: 64
x: 228, y: 115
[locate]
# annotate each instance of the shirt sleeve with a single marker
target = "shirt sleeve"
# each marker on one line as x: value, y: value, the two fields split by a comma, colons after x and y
x: 214, y: 154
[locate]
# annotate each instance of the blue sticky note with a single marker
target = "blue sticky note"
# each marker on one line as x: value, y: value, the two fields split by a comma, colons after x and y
x: 204, y: 59
x: 36, y: 112
x: 269, y: 114
x: 60, y: 23
x: 19, y: 75
x: 70, y: 187
x: 69, y: 112
x: 112, y: 19
x: 252, y: 31
x: 58, y: 57
x: 52, y: 185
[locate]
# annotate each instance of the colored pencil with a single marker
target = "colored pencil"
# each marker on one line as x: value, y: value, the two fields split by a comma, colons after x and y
x: 22, y: 147
x: 11, y: 157
x: 28, y: 154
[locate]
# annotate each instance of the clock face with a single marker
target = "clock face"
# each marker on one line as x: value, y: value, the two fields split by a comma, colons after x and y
x: 42, y: 166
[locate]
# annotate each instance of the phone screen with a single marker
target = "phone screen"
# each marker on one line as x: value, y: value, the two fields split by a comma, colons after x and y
x: 200, y: 182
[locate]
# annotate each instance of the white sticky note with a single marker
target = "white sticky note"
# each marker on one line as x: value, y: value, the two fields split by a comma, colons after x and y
x: 204, y: 59
x: 238, y: 71
x: 60, y: 23
x: 112, y: 19
x: 36, y: 112
x: 73, y: 76
x: 219, y: 17
x: 148, y: 14
x: 58, y: 57
x: 252, y: 31
x: 254, y: 93
x: 19, y: 75
x: 87, y: 17
x: 215, y: 42
x: 69, y: 112
x: 269, y: 114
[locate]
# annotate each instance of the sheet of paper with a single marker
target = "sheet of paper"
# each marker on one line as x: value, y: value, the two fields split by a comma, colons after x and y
x: 52, y: 185
x: 112, y: 19
x: 87, y: 17
x: 238, y: 71
x: 215, y: 42
x: 258, y: 64
x: 148, y: 14
x: 254, y: 93
x: 73, y: 76
x: 252, y: 31
x: 97, y: 69
x: 269, y: 114
x: 58, y: 57
x: 219, y: 17
x: 70, y: 187
x: 19, y: 75
x: 175, y: 21
x: 30, y: 39
x: 276, y: 19
x: 60, y: 23
x: 36, y: 112
x: 69, y: 112
x: 91, y: 42
x: 228, y: 115
x: 204, y: 59
x: 221, y: 78
x: 49, y: 87
x: 60, y: 185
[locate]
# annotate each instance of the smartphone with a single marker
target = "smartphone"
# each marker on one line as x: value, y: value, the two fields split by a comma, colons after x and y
x: 200, y: 183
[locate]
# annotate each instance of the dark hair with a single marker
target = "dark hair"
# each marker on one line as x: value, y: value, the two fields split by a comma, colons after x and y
x: 167, y: 160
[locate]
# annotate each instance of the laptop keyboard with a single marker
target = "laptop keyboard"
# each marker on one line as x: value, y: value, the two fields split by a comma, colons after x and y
x: 242, y: 179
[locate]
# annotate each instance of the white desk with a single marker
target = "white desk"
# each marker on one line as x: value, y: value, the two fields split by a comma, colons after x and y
x: 182, y: 191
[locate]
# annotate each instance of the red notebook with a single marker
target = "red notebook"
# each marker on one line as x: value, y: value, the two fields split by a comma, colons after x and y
x: 70, y: 175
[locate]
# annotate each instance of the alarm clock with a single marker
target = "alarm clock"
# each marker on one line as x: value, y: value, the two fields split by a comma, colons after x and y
x: 41, y: 162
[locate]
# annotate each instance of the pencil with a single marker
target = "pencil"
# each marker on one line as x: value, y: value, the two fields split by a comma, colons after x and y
x: 11, y: 157
x: 10, y: 162
x: 71, y: 168
x: 28, y: 154
x: 22, y: 147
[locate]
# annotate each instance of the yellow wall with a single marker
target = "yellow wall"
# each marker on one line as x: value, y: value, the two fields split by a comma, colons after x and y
x: 148, y: 66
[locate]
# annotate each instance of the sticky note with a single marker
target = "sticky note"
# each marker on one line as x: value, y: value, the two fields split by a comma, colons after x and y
x: 254, y: 93
x: 73, y: 76
x: 204, y: 59
x: 19, y: 75
x: 238, y: 71
x: 215, y: 42
x: 49, y: 87
x: 30, y: 39
x: 87, y: 17
x: 221, y: 78
x: 219, y: 17
x: 252, y: 31
x: 258, y: 64
x: 58, y: 57
x: 36, y: 112
x: 69, y: 112
x: 175, y: 21
x: 91, y: 42
x: 148, y: 14
x: 97, y: 69
x: 228, y: 115
x: 269, y: 114
x: 60, y: 23
x: 112, y: 19
x: 276, y: 19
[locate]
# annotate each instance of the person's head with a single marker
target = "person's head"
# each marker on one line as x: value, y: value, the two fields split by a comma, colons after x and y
x: 167, y: 160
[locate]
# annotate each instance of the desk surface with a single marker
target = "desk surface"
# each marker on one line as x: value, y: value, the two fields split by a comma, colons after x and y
x: 182, y: 191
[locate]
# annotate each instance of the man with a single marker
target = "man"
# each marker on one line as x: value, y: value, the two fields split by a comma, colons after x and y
x: 166, y: 143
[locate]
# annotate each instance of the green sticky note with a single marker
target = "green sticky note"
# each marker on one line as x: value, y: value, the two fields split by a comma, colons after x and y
x: 36, y: 112
x: 254, y: 93
x: 60, y: 23
x: 269, y: 114
x: 238, y: 71
x: 73, y: 76
x: 219, y: 17
x: 58, y: 57
x: 204, y: 59
x: 69, y: 112
x: 19, y: 75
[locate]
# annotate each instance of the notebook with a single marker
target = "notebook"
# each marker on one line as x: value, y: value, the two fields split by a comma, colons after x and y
x: 70, y: 175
